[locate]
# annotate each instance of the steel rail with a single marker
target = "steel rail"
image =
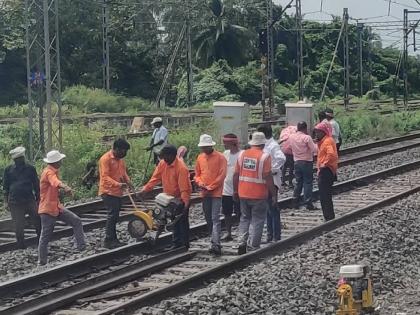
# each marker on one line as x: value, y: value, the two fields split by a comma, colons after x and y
x: 229, y: 267
x: 51, y: 301
x: 37, y: 281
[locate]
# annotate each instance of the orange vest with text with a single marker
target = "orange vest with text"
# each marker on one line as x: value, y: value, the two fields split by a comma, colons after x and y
x: 253, y: 164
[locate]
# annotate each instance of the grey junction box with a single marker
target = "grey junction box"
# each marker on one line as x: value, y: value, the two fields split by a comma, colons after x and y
x: 232, y: 117
x: 300, y: 111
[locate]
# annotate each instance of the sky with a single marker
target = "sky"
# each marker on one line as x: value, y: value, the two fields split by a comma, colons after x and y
x: 384, y: 20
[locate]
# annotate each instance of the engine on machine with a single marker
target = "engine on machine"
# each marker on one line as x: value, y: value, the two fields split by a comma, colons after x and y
x: 167, y: 210
x: 355, y: 292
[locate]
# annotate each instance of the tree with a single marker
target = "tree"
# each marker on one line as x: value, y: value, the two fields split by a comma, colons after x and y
x: 220, y: 39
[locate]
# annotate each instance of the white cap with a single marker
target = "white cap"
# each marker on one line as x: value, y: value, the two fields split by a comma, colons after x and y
x: 54, y: 156
x: 258, y: 138
x: 206, y: 141
x: 156, y: 120
x: 17, y: 152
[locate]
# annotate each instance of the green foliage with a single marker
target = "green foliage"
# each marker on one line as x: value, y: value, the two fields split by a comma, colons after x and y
x: 89, y: 100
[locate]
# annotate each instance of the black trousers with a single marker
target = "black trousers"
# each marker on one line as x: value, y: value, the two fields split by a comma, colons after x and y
x: 155, y: 158
x: 325, y: 182
x: 288, y: 165
x: 181, y: 233
x: 113, y: 205
x: 18, y: 210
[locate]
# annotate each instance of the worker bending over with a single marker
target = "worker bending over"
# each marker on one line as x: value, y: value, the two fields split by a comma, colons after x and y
x: 272, y: 148
x: 159, y: 138
x: 284, y: 142
x: 210, y: 173
x: 174, y: 176
x: 252, y: 182
x: 327, y: 164
x: 229, y: 206
x: 50, y: 208
x: 21, y: 194
x: 113, y: 181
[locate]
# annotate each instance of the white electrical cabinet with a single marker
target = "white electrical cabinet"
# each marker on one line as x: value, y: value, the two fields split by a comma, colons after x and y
x: 300, y: 111
x: 232, y: 117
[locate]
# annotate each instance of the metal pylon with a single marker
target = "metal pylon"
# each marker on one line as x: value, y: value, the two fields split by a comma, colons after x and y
x: 43, y: 76
x: 270, y: 58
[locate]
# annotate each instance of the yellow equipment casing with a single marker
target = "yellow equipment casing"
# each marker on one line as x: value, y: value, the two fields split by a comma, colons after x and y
x: 146, y: 216
x: 346, y: 303
x: 367, y: 296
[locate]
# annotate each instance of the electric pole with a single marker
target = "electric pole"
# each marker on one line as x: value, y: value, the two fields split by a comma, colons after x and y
x: 105, y: 46
x: 405, y: 57
x: 360, y: 39
x: 43, y: 76
x: 270, y: 58
x: 190, y: 79
x: 346, y: 58
x: 299, y: 48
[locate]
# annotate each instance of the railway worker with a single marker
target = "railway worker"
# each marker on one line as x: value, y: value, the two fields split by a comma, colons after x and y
x: 303, y: 149
x: 113, y: 181
x: 327, y: 164
x: 21, y: 194
x: 287, y: 151
x: 252, y: 183
x: 210, y: 173
x: 229, y: 206
x: 50, y: 209
x: 159, y: 138
x: 336, y: 133
x: 174, y: 176
x: 277, y: 161
x: 182, y: 152
x: 322, y: 117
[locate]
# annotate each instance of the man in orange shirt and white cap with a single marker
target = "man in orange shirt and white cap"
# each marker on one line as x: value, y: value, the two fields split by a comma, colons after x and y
x: 50, y: 209
x: 210, y: 173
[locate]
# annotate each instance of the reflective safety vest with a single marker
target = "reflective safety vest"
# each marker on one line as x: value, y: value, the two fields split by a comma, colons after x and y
x: 252, y: 164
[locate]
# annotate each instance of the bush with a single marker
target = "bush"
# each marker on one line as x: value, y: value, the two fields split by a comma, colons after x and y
x: 89, y: 100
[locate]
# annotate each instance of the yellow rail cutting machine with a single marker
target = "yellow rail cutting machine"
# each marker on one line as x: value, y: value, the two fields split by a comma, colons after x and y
x: 166, y: 212
x: 355, y: 293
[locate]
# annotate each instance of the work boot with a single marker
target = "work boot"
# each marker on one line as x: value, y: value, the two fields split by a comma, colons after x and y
x: 215, y: 250
x: 242, y: 249
x: 227, y: 238
x: 311, y: 207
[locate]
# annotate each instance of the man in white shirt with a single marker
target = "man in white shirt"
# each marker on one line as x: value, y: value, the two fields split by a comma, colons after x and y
x: 229, y: 206
x: 277, y: 160
x: 336, y: 133
x: 159, y: 138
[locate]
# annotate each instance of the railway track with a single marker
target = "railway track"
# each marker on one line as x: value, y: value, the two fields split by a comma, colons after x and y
x: 93, y: 213
x: 107, y: 284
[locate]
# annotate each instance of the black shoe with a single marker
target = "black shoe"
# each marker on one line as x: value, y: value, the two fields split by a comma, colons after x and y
x: 227, y: 238
x: 311, y: 207
x: 242, y: 249
x: 215, y: 250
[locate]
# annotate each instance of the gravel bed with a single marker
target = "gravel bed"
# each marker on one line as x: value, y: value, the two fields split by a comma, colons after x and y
x: 303, y: 280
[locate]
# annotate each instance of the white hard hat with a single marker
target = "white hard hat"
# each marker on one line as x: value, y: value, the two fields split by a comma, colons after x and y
x: 258, y: 138
x: 206, y: 141
x: 53, y: 157
x: 17, y: 152
x: 156, y: 120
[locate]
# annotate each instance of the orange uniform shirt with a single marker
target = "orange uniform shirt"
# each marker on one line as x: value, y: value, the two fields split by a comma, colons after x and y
x: 327, y: 154
x: 111, y: 171
x: 253, y: 166
x: 210, y: 171
x: 49, y: 186
x: 175, y: 179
